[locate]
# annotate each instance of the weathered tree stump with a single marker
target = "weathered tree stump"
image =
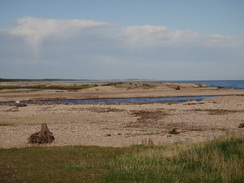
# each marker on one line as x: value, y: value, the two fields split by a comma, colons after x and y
x: 177, y: 88
x: 42, y: 137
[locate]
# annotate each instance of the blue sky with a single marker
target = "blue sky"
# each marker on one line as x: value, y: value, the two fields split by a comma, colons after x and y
x: 109, y: 39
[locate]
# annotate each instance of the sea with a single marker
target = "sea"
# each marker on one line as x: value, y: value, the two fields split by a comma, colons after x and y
x: 229, y: 84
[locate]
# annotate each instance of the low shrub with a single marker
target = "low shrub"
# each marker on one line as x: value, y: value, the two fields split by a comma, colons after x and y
x: 241, y: 125
x: 174, y: 131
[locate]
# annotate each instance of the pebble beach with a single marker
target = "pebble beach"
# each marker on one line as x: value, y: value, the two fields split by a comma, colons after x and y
x: 122, y: 124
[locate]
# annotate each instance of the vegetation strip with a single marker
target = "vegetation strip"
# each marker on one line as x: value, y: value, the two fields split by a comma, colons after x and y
x: 220, y: 160
x: 45, y: 86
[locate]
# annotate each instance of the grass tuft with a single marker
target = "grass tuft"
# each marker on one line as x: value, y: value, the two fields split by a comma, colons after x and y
x: 174, y: 131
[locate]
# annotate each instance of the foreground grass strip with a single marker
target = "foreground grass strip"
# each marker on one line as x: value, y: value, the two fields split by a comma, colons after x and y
x: 216, y: 161
x: 56, y: 164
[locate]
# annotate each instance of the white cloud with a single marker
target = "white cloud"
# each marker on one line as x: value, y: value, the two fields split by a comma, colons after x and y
x: 144, y: 36
x: 155, y: 36
x: 88, y: 44
x: 36, y: 30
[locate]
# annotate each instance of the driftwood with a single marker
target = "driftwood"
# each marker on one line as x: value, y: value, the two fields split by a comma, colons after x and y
x: 19, y: 104
x: 42, y: 137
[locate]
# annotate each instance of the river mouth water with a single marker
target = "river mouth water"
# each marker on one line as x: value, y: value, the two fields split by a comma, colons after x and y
x: 119, y: 100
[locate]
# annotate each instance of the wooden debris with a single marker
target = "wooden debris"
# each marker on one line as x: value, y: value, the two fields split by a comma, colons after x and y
x: 42, y: 137
x: 19, y: 104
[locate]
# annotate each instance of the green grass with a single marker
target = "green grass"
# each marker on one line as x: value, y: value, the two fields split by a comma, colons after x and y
x: 216, y: 161
x: 55, y: 164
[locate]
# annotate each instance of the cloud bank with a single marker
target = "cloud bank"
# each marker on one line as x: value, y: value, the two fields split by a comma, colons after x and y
x: 50, y: 48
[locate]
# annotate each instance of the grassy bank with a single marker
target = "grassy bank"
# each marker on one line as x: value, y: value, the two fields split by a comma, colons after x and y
x: 216, y: 161
x: 49, y: 86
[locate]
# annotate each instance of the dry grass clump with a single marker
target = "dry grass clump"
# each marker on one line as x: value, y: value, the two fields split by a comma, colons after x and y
x: 105, y: 109
x: 218, y: 111
x: 147, y: 118
x: 241, y: 125
x: 148, y: 141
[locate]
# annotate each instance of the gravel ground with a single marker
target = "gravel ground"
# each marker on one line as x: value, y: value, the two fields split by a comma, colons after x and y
x: 120, y: 125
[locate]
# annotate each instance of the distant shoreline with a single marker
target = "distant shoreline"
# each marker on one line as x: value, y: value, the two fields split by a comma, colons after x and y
x: 227, y: 84
x: 35, y: 91
x: 115, y: 80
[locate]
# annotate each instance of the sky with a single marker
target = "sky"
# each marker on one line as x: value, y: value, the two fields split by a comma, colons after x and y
x: 129, y: 39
